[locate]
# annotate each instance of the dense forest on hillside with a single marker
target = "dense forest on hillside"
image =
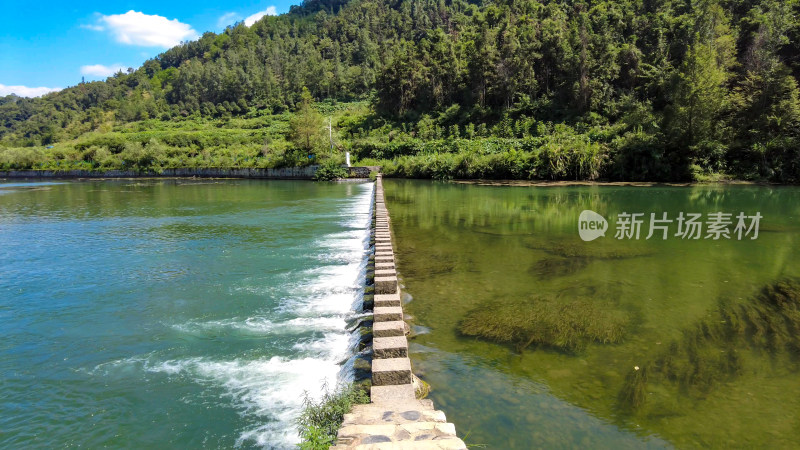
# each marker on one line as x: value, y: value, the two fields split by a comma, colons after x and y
x: 623, y: 89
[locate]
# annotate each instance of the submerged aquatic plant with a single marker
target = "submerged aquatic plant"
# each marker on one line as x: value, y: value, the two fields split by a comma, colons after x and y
x: 573, y: 248
x: 568, y: 256
x: 557, y: 267
x: 568, y: 325
x: 710, y: 352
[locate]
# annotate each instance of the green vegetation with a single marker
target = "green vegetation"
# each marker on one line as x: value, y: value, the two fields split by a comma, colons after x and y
x: 330, y: 170
x: 716, y: 349
x: 523, y: 89
x: 320, y: 421
x: 568, y: 325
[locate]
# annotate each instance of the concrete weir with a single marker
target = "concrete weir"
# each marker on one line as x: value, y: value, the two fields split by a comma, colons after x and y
x: 394, y: 418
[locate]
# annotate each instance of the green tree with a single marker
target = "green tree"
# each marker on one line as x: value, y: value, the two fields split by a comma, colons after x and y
x: 305, y: 128
x: 695, y: 119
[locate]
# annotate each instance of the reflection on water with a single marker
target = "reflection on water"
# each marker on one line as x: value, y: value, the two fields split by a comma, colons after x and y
x: 649, y: 339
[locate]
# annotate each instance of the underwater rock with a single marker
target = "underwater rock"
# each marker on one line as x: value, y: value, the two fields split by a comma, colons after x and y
x: 421, y: 388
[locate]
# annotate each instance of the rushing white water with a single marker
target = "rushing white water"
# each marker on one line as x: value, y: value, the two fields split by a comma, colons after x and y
x: 303, y: 323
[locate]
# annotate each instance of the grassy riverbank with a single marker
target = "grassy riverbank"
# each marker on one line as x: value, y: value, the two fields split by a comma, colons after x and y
x: 259, y: 139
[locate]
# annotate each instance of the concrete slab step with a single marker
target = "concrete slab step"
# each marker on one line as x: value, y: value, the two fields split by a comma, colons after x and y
x: 389, y: 329
x: 417, y: 434
x: 451, y: 443
x: 387, y: 299
x: 385, y: 284
x: 387, y: 313
x: 377, y: 415
x: 390, y: 347
x: 391, y: 371
x: 394, y: 396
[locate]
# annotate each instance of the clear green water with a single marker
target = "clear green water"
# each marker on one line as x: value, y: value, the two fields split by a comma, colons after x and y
x: 461, y: 246
x: 173, y: 313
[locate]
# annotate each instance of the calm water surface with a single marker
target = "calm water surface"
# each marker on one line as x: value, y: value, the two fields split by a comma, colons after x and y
x: 173, y: 313
x: 462, y: 247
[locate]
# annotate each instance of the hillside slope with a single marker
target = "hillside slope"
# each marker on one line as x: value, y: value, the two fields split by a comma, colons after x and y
x: 627, y: 89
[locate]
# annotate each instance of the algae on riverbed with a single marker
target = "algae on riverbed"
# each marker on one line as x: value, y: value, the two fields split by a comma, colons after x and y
x: 565, y: 325
x: 514, y: 244
x: 713, y: 351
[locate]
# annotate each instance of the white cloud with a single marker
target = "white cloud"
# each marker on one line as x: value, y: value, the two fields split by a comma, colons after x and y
x: 136, y: 28
x: 228, y: 19
x: 99, y: 70
x: 94, y: 27
x: 270, y: 11
x: 25, y: 91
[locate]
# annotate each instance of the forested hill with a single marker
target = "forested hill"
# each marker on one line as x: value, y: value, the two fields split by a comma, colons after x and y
x: 628, y: 89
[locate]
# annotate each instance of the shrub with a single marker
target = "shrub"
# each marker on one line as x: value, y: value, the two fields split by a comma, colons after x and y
x: 320, y: 421
x: 330, y: 170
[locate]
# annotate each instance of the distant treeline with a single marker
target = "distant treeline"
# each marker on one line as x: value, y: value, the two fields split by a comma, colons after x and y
x: 626, y: 89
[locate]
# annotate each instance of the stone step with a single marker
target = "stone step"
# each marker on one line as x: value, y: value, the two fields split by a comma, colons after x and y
x: 387, y: 299
x: 394, y: 396
x: 388, y: 329
x: 390, y: 347
x: 384, y: 258
x: 391, y: 371
x: 387, y: 313
x: 385, y: 284
x: 380, y: 415
x: 450, y: 443
x: 385, y: 272
x: 390, y: 436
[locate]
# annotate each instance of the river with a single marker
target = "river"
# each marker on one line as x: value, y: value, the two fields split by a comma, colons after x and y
x: 531, y: 337
x: 174, y: 313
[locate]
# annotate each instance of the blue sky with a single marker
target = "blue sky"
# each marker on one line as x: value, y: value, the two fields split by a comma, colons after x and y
x: 52, y: 44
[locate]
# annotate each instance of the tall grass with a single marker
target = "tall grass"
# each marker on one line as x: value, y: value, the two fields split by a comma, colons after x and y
x: 320, y: 420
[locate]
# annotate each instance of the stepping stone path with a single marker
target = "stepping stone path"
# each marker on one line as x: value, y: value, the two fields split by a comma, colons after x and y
x: 394, y: 419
